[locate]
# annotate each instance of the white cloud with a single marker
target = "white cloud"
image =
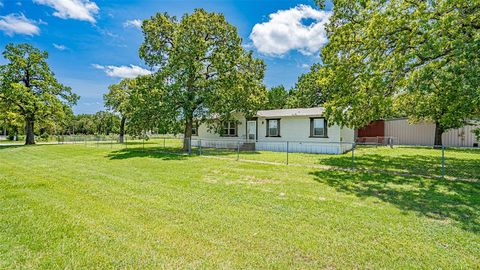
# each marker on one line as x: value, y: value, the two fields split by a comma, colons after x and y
x: 286, y: 31
x: 13, y: 24
x: 133, y: 23
x: 84, y: 10
x: 131, y: 71
x: 59, y: 47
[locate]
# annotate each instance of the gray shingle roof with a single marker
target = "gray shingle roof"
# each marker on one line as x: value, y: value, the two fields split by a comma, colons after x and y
x: 291, y: 112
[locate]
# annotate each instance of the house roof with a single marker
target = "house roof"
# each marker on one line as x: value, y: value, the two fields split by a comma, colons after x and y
x: 291, y: 112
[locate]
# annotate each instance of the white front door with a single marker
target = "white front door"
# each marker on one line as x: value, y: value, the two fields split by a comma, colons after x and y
x: 251, y: 131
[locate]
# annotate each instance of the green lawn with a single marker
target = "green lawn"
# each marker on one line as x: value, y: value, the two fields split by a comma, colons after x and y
x: 109, y: 207
x: 424, y: 161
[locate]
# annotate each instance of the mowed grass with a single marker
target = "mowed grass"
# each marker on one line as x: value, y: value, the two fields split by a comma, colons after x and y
x: 460, y: 163
x: 66, y: 206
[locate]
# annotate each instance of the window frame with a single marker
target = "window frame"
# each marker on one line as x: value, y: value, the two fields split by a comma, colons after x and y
x: 268, y: 128
x: 235, y: 123
x: 312, y: 128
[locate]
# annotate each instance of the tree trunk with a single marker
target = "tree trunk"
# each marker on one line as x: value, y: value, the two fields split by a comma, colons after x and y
x: 122, y: 129
x: 188, y: 132
x: 29, y: 126
x: 438, y: 136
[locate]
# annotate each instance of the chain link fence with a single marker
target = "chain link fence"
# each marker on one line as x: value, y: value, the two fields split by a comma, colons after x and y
x: 440, y: 161
x: 384, y: 157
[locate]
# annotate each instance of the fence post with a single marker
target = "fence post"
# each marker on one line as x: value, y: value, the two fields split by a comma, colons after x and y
x: 98, y: 138
x: 143, y: 142
x: 353, y: 157
x: 190, y: 145
x: 200, y: 147
x: 238, y: 150
x: 164, y: 143
x: 85, y: 141
x: 287, y: 150
x: 126, y: 143
x: 443, y: 161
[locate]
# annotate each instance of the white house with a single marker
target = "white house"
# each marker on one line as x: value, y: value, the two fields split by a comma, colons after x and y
x: 295, y: 130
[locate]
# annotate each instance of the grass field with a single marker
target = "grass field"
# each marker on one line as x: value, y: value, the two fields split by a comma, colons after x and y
x: 65, y: 206
x: 425, y: 161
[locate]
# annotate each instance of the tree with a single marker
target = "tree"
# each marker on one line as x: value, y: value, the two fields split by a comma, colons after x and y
x: 277, y: 98
x: 419, y: 58
x: 84, y: 124
x: 29, y: 88
x: 10, y: 122
x: 150, y: 112
x: 118, y: 99
x: 476, y: 132
x: 106, y: 122
x: 308, y: 91
x: 203, y: 70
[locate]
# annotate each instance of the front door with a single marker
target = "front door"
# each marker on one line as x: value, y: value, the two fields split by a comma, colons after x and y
x: 251, y: 131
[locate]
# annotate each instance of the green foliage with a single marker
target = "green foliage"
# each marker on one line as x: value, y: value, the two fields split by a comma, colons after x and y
x: 84, y: 124
x: 477, y: 134
x: 106, y: 122
x: 102, y: 122
x: 28, y: 88
x: 10, y: 121
x: 203, y: 70
x: 277, y: 98
x: 118, y: 97
x: 416, y: 58
x: 308, y: 92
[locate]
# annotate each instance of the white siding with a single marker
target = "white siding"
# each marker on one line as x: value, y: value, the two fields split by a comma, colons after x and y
x: 407, y: 134
x: 304, y: 147
x: 347, y: 135
x: 205, y: 134
x: 460, y: 137
x: 424, y: 134
x: 295, y: 129
x: 298, y: 129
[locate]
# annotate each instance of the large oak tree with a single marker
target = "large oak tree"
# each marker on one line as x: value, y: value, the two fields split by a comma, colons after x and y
x: 276, y: 98
x: 118, y: 100
x: 416, y: 58
x: 29, y: 88
x: 308, y: 91
x: 203, y: 70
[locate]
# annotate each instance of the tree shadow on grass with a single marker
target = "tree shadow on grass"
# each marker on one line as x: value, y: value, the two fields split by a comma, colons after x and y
x: 160, y: 153
x: 5, y: 147
x: 435, y: 198
x: 170, y: 153
x: 461, y: 168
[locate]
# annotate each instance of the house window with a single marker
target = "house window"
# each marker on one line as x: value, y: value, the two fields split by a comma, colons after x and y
x: 318, y: 127
x: 229, y: 129
x: 273, y: 128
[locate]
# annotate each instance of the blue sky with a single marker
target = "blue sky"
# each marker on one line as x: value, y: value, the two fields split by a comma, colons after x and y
x: 93, y: 43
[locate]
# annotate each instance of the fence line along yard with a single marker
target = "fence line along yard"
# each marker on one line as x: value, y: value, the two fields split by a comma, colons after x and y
x: 446, y: 162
